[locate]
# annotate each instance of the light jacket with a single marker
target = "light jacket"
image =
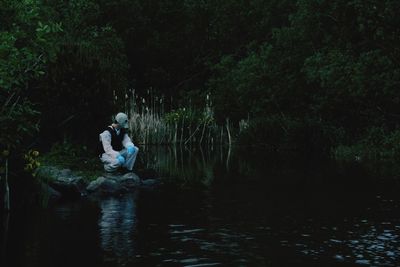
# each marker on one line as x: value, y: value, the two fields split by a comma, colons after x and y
x: 112, y: 142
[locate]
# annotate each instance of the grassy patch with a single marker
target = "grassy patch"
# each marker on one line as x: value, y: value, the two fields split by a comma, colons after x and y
x: 80, y: 160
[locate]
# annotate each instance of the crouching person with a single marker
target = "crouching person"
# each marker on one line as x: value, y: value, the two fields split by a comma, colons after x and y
x: 116, y: 148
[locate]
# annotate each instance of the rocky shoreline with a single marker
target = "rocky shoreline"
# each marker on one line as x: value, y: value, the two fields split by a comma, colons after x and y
x: 64, y: 183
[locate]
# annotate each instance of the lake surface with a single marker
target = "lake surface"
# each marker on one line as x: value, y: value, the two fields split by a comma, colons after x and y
x: 223, y: 208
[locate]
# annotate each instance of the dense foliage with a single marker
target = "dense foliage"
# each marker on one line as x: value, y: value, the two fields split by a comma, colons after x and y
x: 312, y: 74
x: 335, y: 65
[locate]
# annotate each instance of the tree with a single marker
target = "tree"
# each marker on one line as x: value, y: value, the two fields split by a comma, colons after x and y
x: 26, y: 44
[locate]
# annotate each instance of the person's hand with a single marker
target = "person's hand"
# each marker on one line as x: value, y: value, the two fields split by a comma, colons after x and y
x: 121, y: 159
x: 130, y: 150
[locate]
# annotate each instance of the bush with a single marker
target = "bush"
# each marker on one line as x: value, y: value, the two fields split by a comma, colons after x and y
x: 376, y: 144
x: 285, y: 133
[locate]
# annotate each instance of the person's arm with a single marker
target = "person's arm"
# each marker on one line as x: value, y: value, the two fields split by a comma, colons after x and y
x: 105, y: 138
x: 127, y: 142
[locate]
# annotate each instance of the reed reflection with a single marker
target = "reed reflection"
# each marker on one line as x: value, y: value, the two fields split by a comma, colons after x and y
x: 187, y: 164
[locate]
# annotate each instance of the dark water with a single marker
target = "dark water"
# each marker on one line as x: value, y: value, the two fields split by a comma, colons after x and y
x: 223, y: 208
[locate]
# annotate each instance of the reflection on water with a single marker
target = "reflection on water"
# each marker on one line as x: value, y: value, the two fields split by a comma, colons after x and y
x: 5, y: 220
x: 187, y: 164
x: 117, y: 225
x: 196, y: 243
x: 363, y: 242
x: 249, y: 210
x: 375, y: 246
x: 315, y: 186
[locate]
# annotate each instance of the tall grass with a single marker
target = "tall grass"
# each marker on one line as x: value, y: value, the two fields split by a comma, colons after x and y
x: 150, y: 122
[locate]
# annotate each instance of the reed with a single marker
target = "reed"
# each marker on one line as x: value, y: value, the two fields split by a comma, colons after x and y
x: 151, y: 123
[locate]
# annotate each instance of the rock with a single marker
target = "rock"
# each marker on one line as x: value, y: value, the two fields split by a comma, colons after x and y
x: 72, y: 185
x: 50, y: 193
x: 64, y: 181
x: 103, y: 186
x: 69, y: 185
x: 150, y: 183
x: 114, y: 183
x: 129, y: 180
x: 65, y: 172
